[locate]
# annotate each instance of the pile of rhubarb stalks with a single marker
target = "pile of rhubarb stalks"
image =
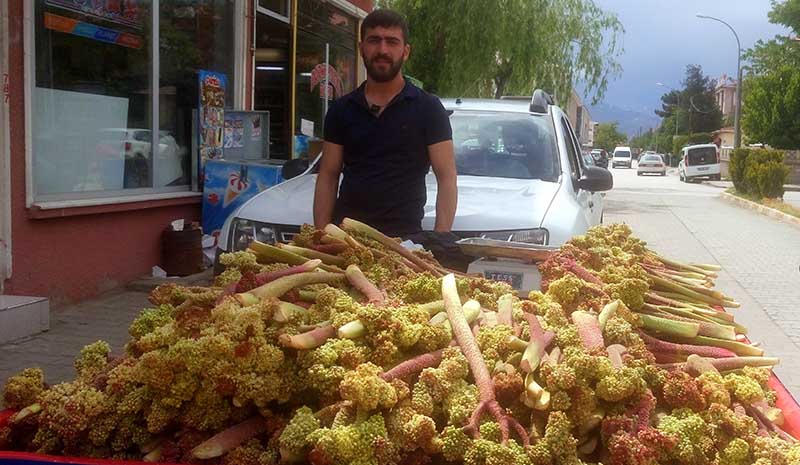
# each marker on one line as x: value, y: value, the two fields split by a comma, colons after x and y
x: 343, y: 347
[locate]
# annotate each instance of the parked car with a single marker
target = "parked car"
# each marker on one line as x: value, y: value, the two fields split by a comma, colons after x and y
x: 699, y: 162
x: 600, y: 158
x: 650, y: 163
x: 622, y: 157
x: 520, y: 177
x: 135, y: 145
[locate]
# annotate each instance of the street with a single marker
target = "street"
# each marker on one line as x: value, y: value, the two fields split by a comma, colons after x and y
x: 760, y: 256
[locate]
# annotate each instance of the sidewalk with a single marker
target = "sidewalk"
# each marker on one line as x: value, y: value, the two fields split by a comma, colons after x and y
x: 792, y: 195
x: 106, y: 317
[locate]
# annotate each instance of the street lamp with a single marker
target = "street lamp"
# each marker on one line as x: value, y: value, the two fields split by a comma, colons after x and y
x: 737, y: 138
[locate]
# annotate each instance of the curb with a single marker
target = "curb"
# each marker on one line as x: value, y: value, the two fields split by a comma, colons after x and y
x: 764, y: 210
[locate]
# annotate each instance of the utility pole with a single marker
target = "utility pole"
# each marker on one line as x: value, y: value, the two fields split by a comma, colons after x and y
x: 737, y: 128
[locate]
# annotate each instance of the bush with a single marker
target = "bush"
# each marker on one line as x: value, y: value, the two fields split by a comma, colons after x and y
x: 758, y: 172
x: 678, y: 142
x: 736, y: 168
x: 701, y: 138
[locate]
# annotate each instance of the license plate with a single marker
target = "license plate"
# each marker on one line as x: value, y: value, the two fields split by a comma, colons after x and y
x: 513, y: 279
x: 702, y: 168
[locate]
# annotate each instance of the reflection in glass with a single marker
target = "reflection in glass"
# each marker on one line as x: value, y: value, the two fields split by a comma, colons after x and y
x: 91, y: 101
x: 193, y: 36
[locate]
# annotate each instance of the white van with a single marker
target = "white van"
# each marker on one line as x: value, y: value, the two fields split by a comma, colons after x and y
x: 699, y: 161
x: 622, y: 157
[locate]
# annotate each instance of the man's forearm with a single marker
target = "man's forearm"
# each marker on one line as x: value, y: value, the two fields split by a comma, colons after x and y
x: 446, y: 202
x: 324, y: 201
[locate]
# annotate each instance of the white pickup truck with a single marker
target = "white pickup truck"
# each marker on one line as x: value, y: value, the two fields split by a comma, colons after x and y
x: 521, y: 178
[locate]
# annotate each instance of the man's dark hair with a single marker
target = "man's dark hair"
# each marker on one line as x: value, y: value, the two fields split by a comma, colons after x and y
x: 384, y: 18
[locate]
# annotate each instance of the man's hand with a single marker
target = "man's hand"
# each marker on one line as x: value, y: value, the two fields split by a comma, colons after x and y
x: 327, y: 183
x: 443, y: 162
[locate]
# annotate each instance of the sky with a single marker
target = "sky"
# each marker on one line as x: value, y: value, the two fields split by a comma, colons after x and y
x: 663, y: 36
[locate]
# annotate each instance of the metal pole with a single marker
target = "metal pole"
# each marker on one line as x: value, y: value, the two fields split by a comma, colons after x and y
x: 737, y: 138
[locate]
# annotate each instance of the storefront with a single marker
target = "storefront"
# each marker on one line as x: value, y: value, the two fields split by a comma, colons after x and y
x: 94, y: 86
x: 296, y: 54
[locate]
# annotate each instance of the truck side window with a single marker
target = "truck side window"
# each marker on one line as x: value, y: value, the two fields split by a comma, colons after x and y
x: 572, y: 151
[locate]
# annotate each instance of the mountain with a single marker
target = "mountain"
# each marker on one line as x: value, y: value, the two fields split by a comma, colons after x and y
x: 630, y: 121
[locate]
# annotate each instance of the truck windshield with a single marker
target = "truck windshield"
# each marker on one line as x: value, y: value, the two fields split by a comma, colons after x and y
x: 504, y: 145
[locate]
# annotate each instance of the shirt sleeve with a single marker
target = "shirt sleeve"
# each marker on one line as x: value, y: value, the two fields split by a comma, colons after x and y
x: 334, y: 127
x: 438, y: 128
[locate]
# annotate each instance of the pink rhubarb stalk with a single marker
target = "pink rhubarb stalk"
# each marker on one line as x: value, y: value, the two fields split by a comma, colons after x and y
x: 589, y: 330
x: 505, y: 310
x: 483, y: 380
x: 413, y: 365
x: 364, y: 285
x: 283, y: 285
x: 308, y: 340
x: 536, y: 347
x: 226, y: 440
x: 389, y: 243
x: 683, y: 350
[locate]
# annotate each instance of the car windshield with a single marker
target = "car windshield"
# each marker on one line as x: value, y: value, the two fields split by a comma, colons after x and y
x: 702, y: 156
x: 504, y: 145
x: 653, y: 158
x: 622, y: 154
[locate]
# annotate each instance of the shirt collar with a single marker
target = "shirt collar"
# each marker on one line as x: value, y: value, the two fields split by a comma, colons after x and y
x: 410, y: 91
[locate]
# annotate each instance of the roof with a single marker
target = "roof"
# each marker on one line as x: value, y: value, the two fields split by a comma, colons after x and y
x: 474, y: 104
x: 725, y: 129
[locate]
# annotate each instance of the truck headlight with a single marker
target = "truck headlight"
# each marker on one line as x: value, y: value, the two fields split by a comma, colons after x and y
x: 243, y: 232
x: 538, y: 236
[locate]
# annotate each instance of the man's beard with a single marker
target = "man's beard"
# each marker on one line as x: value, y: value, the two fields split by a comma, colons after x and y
x: 380, y: 75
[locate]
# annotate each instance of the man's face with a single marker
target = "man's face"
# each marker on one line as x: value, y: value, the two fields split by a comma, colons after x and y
x: 384, y: 51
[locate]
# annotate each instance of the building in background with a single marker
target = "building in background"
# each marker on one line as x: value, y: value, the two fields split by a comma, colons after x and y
x: 725, y: 93
x: 581, y: 120
x: 97, y: 123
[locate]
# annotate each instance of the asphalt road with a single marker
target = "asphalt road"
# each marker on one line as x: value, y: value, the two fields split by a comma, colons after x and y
x: 760, y: 256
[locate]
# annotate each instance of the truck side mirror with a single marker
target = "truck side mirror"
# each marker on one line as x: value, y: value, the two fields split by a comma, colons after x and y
x: 596, y: 179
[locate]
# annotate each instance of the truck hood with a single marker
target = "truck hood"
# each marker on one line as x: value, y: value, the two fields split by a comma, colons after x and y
x: 494, y: 204
x: 484, y: 204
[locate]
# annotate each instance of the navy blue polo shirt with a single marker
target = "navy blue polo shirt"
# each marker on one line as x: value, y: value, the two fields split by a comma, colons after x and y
x: 386, y: 157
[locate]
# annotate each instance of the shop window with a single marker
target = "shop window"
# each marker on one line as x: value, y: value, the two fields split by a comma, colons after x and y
x: 92, y: 106
x: 272, y: 84
x: 322, y: 26
x: 194, y: 35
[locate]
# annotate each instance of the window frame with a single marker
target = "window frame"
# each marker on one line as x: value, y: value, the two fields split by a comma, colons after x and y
x: 274, y: 14
x: 108, y: 197
x: 573, y: 157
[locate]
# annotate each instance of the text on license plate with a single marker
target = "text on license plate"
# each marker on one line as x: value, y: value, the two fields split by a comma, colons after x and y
x: 702, y: 168
x: 513, y: 279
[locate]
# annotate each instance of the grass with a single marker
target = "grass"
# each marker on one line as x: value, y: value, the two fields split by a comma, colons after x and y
x: 777, y: 204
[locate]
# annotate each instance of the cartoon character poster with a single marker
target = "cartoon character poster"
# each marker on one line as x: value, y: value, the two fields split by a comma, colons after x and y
x: 228, y: 185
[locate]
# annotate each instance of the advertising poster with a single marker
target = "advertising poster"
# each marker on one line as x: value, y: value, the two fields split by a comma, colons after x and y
x: 228, y: 185
x: 212, y: 114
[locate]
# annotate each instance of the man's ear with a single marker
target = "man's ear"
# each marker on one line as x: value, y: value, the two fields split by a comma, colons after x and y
x: 406, y: 51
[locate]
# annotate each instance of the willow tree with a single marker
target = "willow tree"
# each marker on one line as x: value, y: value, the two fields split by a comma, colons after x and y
x: 490, y: 48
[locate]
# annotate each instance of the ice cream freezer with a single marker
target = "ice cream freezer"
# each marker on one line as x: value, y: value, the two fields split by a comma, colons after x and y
x: 227, y: 184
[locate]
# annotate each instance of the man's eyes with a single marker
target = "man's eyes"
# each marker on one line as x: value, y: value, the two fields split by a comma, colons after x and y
x: 377, y: 40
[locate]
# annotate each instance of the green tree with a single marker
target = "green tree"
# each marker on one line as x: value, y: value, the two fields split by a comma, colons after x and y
x: 607, y: 136
x: 771, y: 109
x: 695, y: 104
x: 491, y: 48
